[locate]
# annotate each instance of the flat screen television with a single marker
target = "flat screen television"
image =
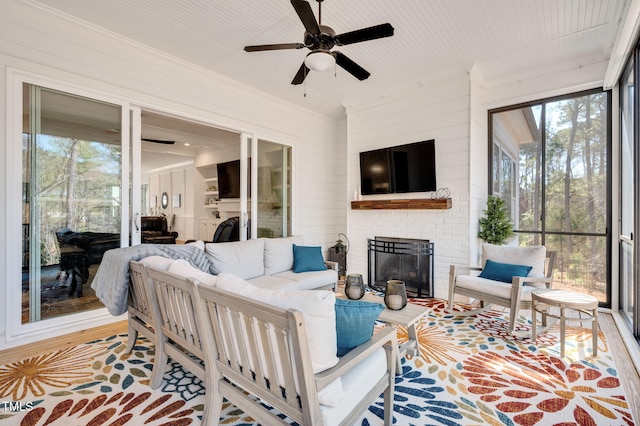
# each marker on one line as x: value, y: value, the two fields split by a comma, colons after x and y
x: 229, y: 179
x: 399, y: 169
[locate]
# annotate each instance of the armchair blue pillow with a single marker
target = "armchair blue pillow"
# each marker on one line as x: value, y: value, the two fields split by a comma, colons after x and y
x: 354, y: 322
x: 504, y: 272
x: 306, y: 259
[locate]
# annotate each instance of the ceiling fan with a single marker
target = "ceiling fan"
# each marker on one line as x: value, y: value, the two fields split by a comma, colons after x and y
x: 162, y: 141
x: 320, y: 39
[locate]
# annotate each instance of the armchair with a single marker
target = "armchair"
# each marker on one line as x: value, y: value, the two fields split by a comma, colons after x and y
x: 515, y: 294
x: 155, y: 230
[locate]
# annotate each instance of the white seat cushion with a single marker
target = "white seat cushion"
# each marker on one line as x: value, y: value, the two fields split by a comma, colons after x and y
x: 273, y: 282
x: 358, y: 381
x: 529, y: 256
x: 183, y: 268
x: 244, y: 259
x: 493, y: 288
x: 278, y: 254
x: 157, y: 262
x: 310, y: 280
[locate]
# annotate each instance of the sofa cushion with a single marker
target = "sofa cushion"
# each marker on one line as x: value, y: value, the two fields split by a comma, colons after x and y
x: 503, y: 271
x: 310, y: 280
x: 495, y: 288
x: 157, y: 262
x: 275, y: 282
x: 183, y: 268
x: 317, y: 308
x: 244, y: 259
x: 198, y: 243
x: 278, y: 254
x: 354, y: 323
x: 306, y: 259
x: 356, y: 382
x: 530, y: 256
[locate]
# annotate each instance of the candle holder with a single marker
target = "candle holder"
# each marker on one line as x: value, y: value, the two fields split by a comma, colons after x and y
x: 354, y: 289
x: 395, y: 296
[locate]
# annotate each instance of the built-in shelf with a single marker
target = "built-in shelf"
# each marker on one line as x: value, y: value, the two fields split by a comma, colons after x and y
x: 403, y: 204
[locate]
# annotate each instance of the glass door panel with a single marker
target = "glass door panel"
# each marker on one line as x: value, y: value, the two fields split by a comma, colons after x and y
x: 274, y: 190
x: 72, y: 184
x: 628, y: 294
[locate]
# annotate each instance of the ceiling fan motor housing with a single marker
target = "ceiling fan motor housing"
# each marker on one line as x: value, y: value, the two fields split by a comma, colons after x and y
x: 322, y: 40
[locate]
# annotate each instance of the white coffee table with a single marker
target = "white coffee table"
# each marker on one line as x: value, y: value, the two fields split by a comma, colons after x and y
x: 543, y: 299
x: 408, y: 317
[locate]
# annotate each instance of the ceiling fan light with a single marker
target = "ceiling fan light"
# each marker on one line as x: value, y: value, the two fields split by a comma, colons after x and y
x: 319, y: 61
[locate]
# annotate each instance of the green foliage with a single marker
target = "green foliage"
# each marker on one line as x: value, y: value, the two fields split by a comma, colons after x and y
x: 495, y: 226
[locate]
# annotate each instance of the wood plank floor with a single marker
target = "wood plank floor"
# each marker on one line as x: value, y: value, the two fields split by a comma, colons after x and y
x: 626, y: 369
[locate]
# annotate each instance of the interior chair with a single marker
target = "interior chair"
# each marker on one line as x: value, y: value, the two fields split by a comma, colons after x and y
x: 261, y: 356
x: 155, y: 230
x: 228, y: 230
x: 179, y: 335
x: 510, y: 291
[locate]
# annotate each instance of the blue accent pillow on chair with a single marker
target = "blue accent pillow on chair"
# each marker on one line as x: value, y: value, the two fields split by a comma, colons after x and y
x: 354, y: 322
x: 504, y: 272
x: 306, y: 259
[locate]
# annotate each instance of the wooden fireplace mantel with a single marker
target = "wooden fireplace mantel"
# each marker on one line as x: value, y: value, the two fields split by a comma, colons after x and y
x: 403, y: 204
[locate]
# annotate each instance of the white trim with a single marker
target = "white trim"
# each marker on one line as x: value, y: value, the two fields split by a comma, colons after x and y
x: 14, y: 329
x: 623, y: 46
x: 629, y: 341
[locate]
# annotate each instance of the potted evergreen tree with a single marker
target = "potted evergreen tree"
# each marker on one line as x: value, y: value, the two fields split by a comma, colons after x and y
x: 495, y: 226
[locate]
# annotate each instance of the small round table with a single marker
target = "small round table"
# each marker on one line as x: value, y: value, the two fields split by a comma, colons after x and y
x: 543, y: 299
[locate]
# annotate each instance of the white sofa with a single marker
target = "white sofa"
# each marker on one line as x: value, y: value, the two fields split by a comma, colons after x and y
x: 268, y: 263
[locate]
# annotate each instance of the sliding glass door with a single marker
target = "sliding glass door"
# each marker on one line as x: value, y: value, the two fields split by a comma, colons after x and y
x: 266, y: 167
x: 76, y: 184
x: 628, y: 175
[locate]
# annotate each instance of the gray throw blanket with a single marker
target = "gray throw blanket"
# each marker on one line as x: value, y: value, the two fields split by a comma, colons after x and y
x: 111, y: 282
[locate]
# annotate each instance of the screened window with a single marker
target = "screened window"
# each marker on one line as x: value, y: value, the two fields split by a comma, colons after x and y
x: 558, y: 190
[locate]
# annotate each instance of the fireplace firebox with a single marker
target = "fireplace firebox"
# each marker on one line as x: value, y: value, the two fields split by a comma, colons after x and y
x: 405, y: 259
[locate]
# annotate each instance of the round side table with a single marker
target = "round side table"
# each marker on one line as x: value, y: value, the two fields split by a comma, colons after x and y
x: 543, y: 299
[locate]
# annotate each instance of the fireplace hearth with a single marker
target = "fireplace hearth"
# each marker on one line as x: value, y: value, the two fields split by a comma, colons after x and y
x: 404, y: 259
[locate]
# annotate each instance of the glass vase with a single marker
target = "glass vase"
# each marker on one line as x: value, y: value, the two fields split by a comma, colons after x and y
x: 354, y: 289
x: 395, y: 296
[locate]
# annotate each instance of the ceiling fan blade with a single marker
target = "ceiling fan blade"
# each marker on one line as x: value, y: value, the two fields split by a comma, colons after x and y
x: 301, y: 74
x: 281, y: 46
x: 158, y: 141
x: 303, y: 9
x: 364, y: 34
x: 351, y: 67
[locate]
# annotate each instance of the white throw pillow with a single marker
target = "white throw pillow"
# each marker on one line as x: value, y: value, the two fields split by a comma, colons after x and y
x: 278, y: 254
x: 529, y: 256
x: 318, y: 310
x: 184, y: 269
x: 199, y: 244
x: 317, y: 307
x: 157, y: 262
x: 242, y: 258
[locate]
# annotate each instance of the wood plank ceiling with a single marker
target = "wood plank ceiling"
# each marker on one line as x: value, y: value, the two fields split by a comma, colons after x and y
x: 508, y: 40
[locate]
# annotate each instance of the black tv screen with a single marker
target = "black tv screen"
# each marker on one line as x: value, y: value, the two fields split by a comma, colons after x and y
x: 229, y: 179
x: 399, y: 169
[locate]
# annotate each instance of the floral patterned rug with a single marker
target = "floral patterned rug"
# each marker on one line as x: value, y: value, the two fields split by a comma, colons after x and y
x: 471, y: 371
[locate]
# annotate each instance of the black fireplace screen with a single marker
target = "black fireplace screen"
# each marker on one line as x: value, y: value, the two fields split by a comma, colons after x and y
x: 403, y: 259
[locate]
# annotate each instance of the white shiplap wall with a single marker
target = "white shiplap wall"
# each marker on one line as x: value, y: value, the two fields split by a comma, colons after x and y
x: 439, y: 112
x: 60, y: 50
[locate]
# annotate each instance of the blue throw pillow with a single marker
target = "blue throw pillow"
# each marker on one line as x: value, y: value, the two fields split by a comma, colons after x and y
x: 503, y: 271
x: 306, y: 259
x: 354, y: 322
